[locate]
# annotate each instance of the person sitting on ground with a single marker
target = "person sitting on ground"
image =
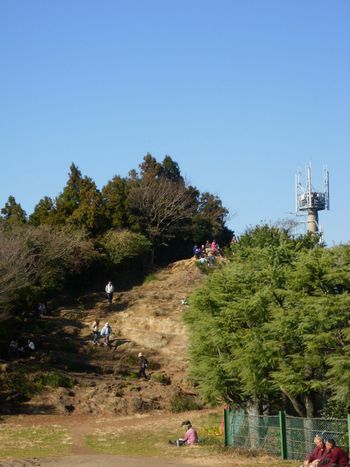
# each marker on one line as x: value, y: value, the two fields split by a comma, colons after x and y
x: 95, y: 331
x: 42, y: 309
x: 13, y: 347
x: 106, y: 332
x: 190, y: 438
x: 109, y: 291
x: 314, y: 457
x: 333, y: 456
x: 143, y: 366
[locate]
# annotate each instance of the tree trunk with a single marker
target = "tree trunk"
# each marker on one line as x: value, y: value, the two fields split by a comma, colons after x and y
x: 309, y: 405
x: 253, y: 417
x: 296, y: 404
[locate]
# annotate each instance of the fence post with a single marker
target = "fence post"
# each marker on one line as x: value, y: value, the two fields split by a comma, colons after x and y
x: 283, y: 434
x: 349, y: 429
x: 227, y: 427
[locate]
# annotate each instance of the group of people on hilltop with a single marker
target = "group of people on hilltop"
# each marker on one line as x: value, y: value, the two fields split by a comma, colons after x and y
x: 207, y: 253
x: 326, y: 454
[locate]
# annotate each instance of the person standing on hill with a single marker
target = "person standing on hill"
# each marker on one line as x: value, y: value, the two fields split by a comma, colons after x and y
x: 95, y: 331
x: 143, y: 366
x: 106, y: 332
x: 109, y: 291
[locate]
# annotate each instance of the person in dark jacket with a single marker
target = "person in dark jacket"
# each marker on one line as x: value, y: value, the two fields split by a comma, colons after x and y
x: 143, y: 366
x: 314, y: 457
x: 333, y: 456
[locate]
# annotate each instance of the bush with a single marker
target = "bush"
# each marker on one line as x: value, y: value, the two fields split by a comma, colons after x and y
x: 124, y: 245
x: 54, y: 380
x: 183, y: 402
x: 161, y: 378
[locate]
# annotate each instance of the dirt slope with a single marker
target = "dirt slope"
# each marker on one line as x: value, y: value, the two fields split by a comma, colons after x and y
x: 147, y: 318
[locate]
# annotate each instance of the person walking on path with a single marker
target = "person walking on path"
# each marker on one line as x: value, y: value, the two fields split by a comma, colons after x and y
x: 143, y: 366
x: 106, y: 332
x: 95, y: 331
x: 109, y: 291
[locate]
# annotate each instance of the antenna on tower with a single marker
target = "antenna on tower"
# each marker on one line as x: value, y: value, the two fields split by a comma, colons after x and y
x: 310, y: 201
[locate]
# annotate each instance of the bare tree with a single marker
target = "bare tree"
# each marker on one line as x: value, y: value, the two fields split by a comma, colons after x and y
x: 161, y: 203
x: 36, y: 255
x: 17, y: 264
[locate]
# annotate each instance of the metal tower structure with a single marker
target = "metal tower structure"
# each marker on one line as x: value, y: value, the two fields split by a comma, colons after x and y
x: 311, y: 201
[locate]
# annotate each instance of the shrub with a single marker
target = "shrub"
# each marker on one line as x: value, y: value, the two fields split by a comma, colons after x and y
x: 123, y: 245
x: 161, y: 378
x: 183, y: 402
x: 54, y: 380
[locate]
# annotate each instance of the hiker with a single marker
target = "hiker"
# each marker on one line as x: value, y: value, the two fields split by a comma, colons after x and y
x: 95, y: 331
x: 191, y: 436
x: 30, y: 348
x: 143, y: 366
x: 106, y: 331
x: 233, y: 239
x: 42, y: 309
x: 333, y: 456
x: 13, y: 347
x: 109, y: 291
x: 314, y: 457
x: 197, y: 251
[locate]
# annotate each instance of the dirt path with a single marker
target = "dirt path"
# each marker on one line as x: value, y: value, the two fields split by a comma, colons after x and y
x: 126, y: 461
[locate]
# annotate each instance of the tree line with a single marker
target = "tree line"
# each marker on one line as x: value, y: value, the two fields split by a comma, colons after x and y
x: 151, y: 216
x: 271, y: 329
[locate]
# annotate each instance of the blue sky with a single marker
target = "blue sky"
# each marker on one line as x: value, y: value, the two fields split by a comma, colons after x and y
x: 239, y: 92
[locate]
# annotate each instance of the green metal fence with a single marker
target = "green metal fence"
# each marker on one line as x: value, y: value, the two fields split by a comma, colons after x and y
x: 282, y: 435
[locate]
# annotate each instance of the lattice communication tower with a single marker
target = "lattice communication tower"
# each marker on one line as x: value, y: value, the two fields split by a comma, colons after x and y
x: 311, y: 201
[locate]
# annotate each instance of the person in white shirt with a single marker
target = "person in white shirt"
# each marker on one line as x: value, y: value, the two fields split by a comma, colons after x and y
x: 109, y: 291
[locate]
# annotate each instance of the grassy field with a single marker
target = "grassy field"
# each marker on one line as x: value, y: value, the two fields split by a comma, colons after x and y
x: 145, y: 437
x: 46, y: 441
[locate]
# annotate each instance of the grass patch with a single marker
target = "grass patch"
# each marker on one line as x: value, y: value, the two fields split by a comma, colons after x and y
x: 152, y: 438
x: 54, y: 380
x: 150, y: 278
x: 18, y: 442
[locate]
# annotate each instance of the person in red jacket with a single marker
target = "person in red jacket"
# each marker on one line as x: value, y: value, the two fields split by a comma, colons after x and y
x: 314, y: 457
x: 333, y: 456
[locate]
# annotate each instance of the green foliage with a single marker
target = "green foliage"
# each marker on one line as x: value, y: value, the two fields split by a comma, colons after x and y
x: 161, y: 378
x: 44, y: 212
x: 274, y: 321
x: 124, y: 245
x: 115, y: 195
x: 12, y: 212
x: 181, y: 402
x: 54, y: 380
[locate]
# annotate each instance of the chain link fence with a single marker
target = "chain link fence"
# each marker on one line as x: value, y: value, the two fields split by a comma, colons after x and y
x: 281, y: 435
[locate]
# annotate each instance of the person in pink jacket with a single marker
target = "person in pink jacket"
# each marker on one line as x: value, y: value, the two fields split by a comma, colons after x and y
x: 191, y: 436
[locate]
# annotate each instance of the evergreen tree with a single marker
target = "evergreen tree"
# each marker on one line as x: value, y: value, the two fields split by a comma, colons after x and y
x: 114, y: 196
x: 272, y: 322
x: 44, y: 212
x: 12, y: 212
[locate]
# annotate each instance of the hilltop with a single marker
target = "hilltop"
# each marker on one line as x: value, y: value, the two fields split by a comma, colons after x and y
x: 98, y: 379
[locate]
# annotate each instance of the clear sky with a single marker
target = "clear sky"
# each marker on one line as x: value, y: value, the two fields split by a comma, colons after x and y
x: 239, y: 92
